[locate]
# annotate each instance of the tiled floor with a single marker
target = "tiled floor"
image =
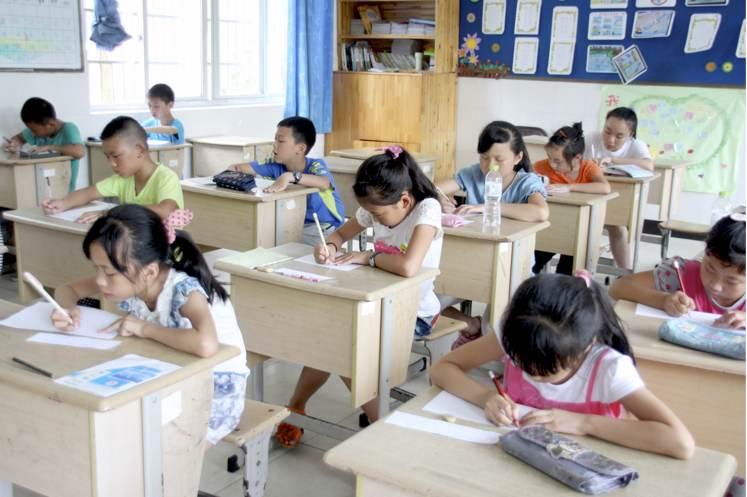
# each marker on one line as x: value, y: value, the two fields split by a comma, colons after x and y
x: 301, y: 471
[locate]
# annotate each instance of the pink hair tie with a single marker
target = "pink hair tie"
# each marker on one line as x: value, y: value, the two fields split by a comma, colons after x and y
x: 394, y: 150
x: 585, y: 275
x: 176, y: 220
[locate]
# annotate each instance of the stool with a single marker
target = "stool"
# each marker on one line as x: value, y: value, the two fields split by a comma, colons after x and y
x: 668, y: 227
x: 438, y: 343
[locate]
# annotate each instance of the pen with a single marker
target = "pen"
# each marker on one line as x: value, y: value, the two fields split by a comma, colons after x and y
x: 36, y: 284
x: 501, y: 391
x: 32, y: 367
x: 321, y: 234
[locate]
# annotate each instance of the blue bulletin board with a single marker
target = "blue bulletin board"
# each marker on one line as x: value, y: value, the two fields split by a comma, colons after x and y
x: 665, y: 56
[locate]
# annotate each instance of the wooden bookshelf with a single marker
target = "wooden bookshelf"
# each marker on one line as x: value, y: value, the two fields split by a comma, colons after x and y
x: 415, y: 109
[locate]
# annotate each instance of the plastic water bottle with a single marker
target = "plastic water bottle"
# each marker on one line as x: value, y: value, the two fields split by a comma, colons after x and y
x: 491, y: 217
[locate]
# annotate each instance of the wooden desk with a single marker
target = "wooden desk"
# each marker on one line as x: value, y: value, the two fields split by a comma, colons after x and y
x: 706, y: 391
x: 63, y: 442
x: 359, y: 325
x: 628, y: 208
x: 343, y: 169
x: 665, y: 191
x: 391, y: 461
x: 426, y: 161
x: 241, y: 221
x: 27, y: 182
x: 213, y: 154
x: 576, y: 225
x: 51, y: 249
x: 172, y: 156
x: 487, y: 266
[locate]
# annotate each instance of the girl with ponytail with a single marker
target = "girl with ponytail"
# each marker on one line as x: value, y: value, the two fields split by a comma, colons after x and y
x: 161, y: 280
x: 565, y: 354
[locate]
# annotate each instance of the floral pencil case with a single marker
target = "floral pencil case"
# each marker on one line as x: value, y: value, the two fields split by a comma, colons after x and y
x: 698, y: 336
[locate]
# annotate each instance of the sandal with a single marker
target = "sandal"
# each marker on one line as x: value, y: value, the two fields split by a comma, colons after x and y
x: 289, y: 435
x: 466, y: 338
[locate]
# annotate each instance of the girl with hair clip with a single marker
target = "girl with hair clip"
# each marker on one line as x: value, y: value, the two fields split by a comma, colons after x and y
x: 161, y: 280
x: 399, y: 202
x: 565, y: 355
x: 567, y: 171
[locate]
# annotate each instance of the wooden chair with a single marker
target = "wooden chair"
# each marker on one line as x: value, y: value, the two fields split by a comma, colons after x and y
x: 696, y: 230
x: 438, y: 343
x: 531, y: 130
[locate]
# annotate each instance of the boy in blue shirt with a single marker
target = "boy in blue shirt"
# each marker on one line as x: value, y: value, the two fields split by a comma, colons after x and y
x: 163, y: 125
x: 48, y: 134
x: 294, y: 137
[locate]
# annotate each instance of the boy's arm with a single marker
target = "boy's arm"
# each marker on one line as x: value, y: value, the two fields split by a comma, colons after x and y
x: 74, y: 150
x: 639, y: 287
x: 71, y: 200
x: 162, y: 130
x: 164, y: 207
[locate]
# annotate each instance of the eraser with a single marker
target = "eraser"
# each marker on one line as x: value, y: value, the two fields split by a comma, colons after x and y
x: 449, y: 418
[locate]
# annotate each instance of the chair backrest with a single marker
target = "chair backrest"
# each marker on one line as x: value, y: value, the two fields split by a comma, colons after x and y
x: 531, y: 130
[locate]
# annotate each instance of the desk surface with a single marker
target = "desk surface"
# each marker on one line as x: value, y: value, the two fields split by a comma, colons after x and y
x: 13, y: 160
x: 575, y: 198
x: 510, y: 230
x: 230, y: 140
x: 613, y: 178
x: 436, y: 466
x: 292, y: 191
x: 643, y: 334
x: 666, y: 164
x: 35, y: 216
x: 364, y: 283
x: 366, y: 152
x: 151, y: 147
x: 64, y: 360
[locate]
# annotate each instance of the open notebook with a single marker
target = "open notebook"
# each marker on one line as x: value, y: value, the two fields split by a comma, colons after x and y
x: 628, y: 170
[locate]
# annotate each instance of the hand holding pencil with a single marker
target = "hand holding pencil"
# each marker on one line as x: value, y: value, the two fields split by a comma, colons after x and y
x: 500, y: 409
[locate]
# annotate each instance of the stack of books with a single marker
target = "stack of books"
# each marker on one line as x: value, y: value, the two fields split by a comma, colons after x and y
x: 412, y: 27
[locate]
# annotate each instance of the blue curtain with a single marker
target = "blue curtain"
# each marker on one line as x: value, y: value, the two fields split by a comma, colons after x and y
x: 308, y: 90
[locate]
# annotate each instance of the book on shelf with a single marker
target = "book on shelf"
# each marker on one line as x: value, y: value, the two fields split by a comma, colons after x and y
x: 381, y: 28
x: 356, y: 27
x: 369, y: 14
x: 359, y: 56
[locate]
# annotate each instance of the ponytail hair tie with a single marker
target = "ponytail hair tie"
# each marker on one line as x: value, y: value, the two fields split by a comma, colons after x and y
x: 176, y: 220
x: 393, y: 151
x: 585, y: 275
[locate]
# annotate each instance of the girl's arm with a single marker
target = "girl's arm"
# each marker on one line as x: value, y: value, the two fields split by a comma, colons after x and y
x: 409, y: 263
x: 68, y: 296
x: 448, y: 186
x: 336, y: 240
x: 641, y: 288
x: 647, y: 164
x: 534, y: 210
x: 599, y: 184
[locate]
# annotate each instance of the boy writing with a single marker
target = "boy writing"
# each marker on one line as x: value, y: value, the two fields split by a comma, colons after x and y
x: 163, y: 125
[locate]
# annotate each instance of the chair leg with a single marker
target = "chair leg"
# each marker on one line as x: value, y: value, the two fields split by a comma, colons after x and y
x: 665, y: 236
x: 256, y: 465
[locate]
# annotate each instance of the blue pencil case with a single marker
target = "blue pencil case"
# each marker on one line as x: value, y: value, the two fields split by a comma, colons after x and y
x: 693, y: 335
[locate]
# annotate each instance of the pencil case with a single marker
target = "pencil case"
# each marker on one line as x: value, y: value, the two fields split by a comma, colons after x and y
x: 235, y: 180
x: 698, y: 336
x: 452, y: 220
x: 566, y: 460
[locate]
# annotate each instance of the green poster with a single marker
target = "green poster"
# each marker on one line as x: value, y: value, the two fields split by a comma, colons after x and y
x: 701, y: 126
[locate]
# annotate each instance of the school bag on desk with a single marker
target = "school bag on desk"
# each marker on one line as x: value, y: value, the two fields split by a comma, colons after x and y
x: 698, y: 336
x: 566, y: 460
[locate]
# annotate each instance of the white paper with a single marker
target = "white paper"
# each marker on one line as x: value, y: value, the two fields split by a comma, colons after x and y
x: 652, y: 24
x: 705, y: 318
x: 645, y: 4
x: 527, y: 17
x: 451, y: 430
x: 701, y: 32
x: 301, y: 275
x: 73, y: 341
x: 494, y: 17
x: 309, y: 259
x: 525, y: 55
x: 564, y: 22
x: 561, y: 57
x: 741, y: 52
x: 37, y: 317
x: 447, y: 404
x: 73, y: 214
x: 607, y: 25
x: 117, y: 375
x: 158, y: 143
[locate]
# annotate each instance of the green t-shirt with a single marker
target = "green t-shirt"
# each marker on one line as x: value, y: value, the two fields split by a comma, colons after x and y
x: 67, y: 135
x: 163, y: 184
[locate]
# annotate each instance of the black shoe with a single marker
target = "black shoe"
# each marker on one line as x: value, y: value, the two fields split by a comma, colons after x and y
x: 363, y: 420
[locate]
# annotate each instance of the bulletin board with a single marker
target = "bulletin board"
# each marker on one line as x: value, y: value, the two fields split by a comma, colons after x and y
x: 40, y: 35
x: 482, y: 45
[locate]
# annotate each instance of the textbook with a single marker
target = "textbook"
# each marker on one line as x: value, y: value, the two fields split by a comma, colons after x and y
x: 628, y: 170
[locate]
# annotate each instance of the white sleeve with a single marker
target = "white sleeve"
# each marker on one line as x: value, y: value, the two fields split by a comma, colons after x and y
x: 364, y: 218
x: 619, y: 378
x: 429, y: 213
x: 639, y: 150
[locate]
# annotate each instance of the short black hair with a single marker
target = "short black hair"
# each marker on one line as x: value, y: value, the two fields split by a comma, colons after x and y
x: 36, y: 110
x: 726, y: 241
x: 628, y: 115
x: 303, y: 130
x: 570, y: 140
x: 163, y: 92
x: 125, y: 126
x: 505, y: 132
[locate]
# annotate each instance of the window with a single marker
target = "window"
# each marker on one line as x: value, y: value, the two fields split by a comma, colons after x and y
x: 172, y: 42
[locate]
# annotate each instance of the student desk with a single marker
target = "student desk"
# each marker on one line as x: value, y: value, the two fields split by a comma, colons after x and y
x: 665, y: 191
x: 170, y: 155
x: 705, y: 390
x: 392, y: 461
x: 487, y: 266
x: 63, y: 442
x: 27, y: 182
x: 343, y: 169
x: 358, y: 325
x: 576, y: 224
x: 50, y: 248
x: 235, y: 220
x: 427, y: 162
x: 213, y: 154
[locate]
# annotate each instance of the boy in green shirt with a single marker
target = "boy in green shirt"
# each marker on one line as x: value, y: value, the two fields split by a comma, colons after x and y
x: 137, y: 179
x: 48, y: 133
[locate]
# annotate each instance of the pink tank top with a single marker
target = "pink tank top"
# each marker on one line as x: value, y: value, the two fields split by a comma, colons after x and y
x: 523, y: 392
x: 695, y: 290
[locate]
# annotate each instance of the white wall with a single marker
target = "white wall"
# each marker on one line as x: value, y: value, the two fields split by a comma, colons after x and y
x: 550, y: 105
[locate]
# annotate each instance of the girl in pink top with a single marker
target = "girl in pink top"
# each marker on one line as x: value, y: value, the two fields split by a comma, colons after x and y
x: 715, y: 284
x: 565, y: 355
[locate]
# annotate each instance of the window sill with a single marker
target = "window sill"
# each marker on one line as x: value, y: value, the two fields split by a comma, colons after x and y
x: 192, y: 105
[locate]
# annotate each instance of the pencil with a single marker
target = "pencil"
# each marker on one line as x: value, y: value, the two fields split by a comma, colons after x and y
x: 321, y: 234
x: 31, y: 280
x: 32, y: 367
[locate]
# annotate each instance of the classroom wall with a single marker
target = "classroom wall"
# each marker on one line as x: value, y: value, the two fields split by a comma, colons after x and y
x: 550, y: 105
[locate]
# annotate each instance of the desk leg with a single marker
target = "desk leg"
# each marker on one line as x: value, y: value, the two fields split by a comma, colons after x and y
x: 385, y: 348
x: 258, y: 381
x: 152, y: 451
x: 6, y: 489
x: 639, y: 224
x: 279, y: 215
x: 596, y: 225
x: 516, y: 277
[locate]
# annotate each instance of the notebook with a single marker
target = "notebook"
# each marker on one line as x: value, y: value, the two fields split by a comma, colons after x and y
x: 628, y: 170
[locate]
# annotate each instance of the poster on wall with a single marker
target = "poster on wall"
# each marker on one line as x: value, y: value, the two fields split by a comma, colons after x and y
x: 740, y: 44
x: 609, y: 4
x: 701, y: 32
x: 647, y: 4
x: 525, y: 55
x: 607, y: 25
x: 630, y: 64
x: 564, y: 22
x: 652, y: 23
x: 527, y: 17
x: 561, y: 58
x: 706, y: 3
x: 599, y: 58
x: 494, y: 17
